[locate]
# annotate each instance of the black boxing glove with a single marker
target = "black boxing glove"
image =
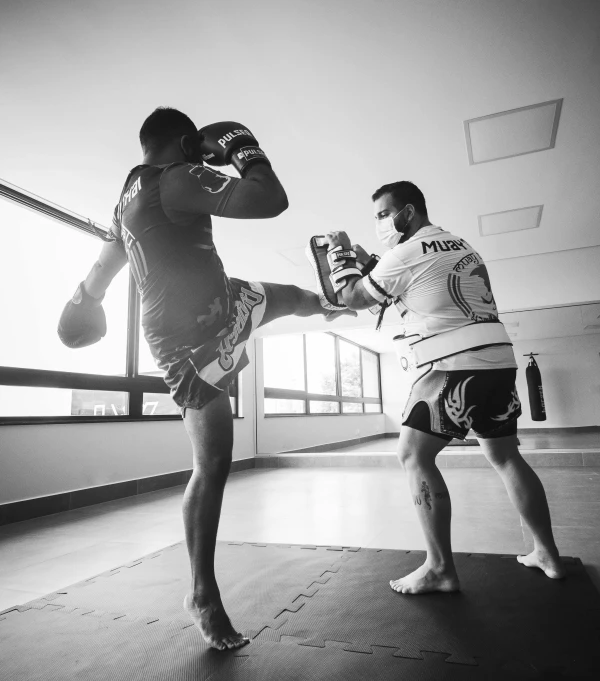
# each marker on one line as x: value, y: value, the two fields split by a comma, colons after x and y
x: 230, y: 143
x: 83, y: 321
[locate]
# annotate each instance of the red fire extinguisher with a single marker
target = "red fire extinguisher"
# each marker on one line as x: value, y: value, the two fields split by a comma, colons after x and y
x: 536, y: 394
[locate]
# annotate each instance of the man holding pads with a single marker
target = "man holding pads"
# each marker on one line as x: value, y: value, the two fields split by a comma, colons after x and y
x: 196, y: 320
x: 463, y: 368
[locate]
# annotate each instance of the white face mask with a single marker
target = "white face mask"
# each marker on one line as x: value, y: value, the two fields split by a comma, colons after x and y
x: 386, y: 231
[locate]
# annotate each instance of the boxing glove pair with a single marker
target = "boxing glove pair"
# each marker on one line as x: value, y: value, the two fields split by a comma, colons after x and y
x: 230, y: 143
x: 83, y: 321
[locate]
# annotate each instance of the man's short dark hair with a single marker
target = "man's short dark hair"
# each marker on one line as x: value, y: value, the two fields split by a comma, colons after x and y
x: 404, y: 193
x: 164, y: 125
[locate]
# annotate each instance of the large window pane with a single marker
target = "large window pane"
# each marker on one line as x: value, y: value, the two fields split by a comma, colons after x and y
x: 318, y: 407
x: 25, y: 401
x: 370, y: 374
x: 320, y: 363
x: 350, y: 369
x: 276, y: 406
x: 352, y: 408
x: 41, y: 264
x: 159, y: 404
x: 284, y: 362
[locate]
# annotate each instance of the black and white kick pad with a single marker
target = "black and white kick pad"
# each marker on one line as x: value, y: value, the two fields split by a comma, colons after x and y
x: 312, y: 612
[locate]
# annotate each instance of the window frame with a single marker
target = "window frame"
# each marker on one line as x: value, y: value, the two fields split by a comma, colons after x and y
x: 133, y: 383
x: 307, y: 397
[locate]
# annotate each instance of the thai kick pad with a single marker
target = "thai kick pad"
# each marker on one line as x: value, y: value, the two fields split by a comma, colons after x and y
x: 316, y: 252
x: 312, y: 613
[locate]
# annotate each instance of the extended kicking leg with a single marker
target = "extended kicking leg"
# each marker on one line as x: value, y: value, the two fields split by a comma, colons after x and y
x: 287, y: 299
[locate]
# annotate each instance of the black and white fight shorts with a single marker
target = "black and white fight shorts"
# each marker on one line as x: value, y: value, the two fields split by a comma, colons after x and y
x: 208, y: 370
x: 450, y: 403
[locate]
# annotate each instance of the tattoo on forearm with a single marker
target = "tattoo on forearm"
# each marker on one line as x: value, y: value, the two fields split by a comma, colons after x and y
x: 426, y: 494
x: 417, y: 500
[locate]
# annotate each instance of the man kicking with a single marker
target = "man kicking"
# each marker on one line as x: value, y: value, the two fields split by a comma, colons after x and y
x: 464, y: 376
x: 196, y: 320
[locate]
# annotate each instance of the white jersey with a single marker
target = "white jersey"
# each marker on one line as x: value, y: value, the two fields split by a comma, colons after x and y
x: 439, y: 283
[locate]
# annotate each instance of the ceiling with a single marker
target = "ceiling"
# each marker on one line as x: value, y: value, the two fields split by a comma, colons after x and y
x: 344, y: 96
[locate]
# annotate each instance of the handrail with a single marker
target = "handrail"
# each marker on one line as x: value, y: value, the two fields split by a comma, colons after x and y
x: 39, y: 205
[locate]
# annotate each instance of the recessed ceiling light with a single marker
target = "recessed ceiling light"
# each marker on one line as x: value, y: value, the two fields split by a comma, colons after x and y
x: 513, y: 133
x: 510, y: 220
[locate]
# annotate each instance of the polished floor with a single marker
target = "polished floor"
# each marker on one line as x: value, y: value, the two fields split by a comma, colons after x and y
x: 577, y: 441
x: 368, y: 507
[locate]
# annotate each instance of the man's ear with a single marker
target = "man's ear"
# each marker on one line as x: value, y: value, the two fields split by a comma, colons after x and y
x: 190, y: 146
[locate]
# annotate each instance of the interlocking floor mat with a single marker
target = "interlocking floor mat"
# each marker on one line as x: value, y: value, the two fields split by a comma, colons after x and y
x: 312, y: 613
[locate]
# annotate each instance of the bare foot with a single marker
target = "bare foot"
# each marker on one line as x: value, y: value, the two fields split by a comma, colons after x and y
x: 425, y: 580
x: 551, y: 565
x: 216, y: 628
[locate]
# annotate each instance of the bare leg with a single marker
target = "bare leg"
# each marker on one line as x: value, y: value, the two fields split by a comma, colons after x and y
x: 211, y: 431
x: 287, y: 299
x: 417, y: 452
x: 527, y: 495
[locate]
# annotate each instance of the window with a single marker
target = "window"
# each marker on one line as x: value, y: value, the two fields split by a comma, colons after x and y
x: 285, y: 368
x: 370, y: 379
x: 319, y: 373
x: 41, y: 264
x: 24, y: 401
x: 45, y: 252
x: 320, y: 363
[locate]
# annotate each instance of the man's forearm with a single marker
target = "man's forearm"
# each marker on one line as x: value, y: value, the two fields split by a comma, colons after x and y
x: 349, y: 297
x: 264, y: 174
x: 98, y: 280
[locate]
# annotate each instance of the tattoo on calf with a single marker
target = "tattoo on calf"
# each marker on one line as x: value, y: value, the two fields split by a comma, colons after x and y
x: 426, y: 494
x: 417, y: 500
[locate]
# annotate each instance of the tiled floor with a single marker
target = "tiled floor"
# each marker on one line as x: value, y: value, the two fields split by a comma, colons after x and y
x: 368, y: 507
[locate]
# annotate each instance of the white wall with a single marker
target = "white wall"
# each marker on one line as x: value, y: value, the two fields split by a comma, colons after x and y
x: 283, y: 433
x: 570, y: 369
x: 42, y: 460
x: 545, y: 280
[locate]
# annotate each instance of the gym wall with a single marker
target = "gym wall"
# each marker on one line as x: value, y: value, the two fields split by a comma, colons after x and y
x: 570, y: 369
x: 47, y: 459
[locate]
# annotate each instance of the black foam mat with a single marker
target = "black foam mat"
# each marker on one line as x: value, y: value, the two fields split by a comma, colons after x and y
x: 505, y: 613
x: 257, y: 581
x: 312, y: 613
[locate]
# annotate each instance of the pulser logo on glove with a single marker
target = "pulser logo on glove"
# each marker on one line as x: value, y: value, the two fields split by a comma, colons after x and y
x: 228, y: 143
x: 230, y: 135
x: 250, y: 152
